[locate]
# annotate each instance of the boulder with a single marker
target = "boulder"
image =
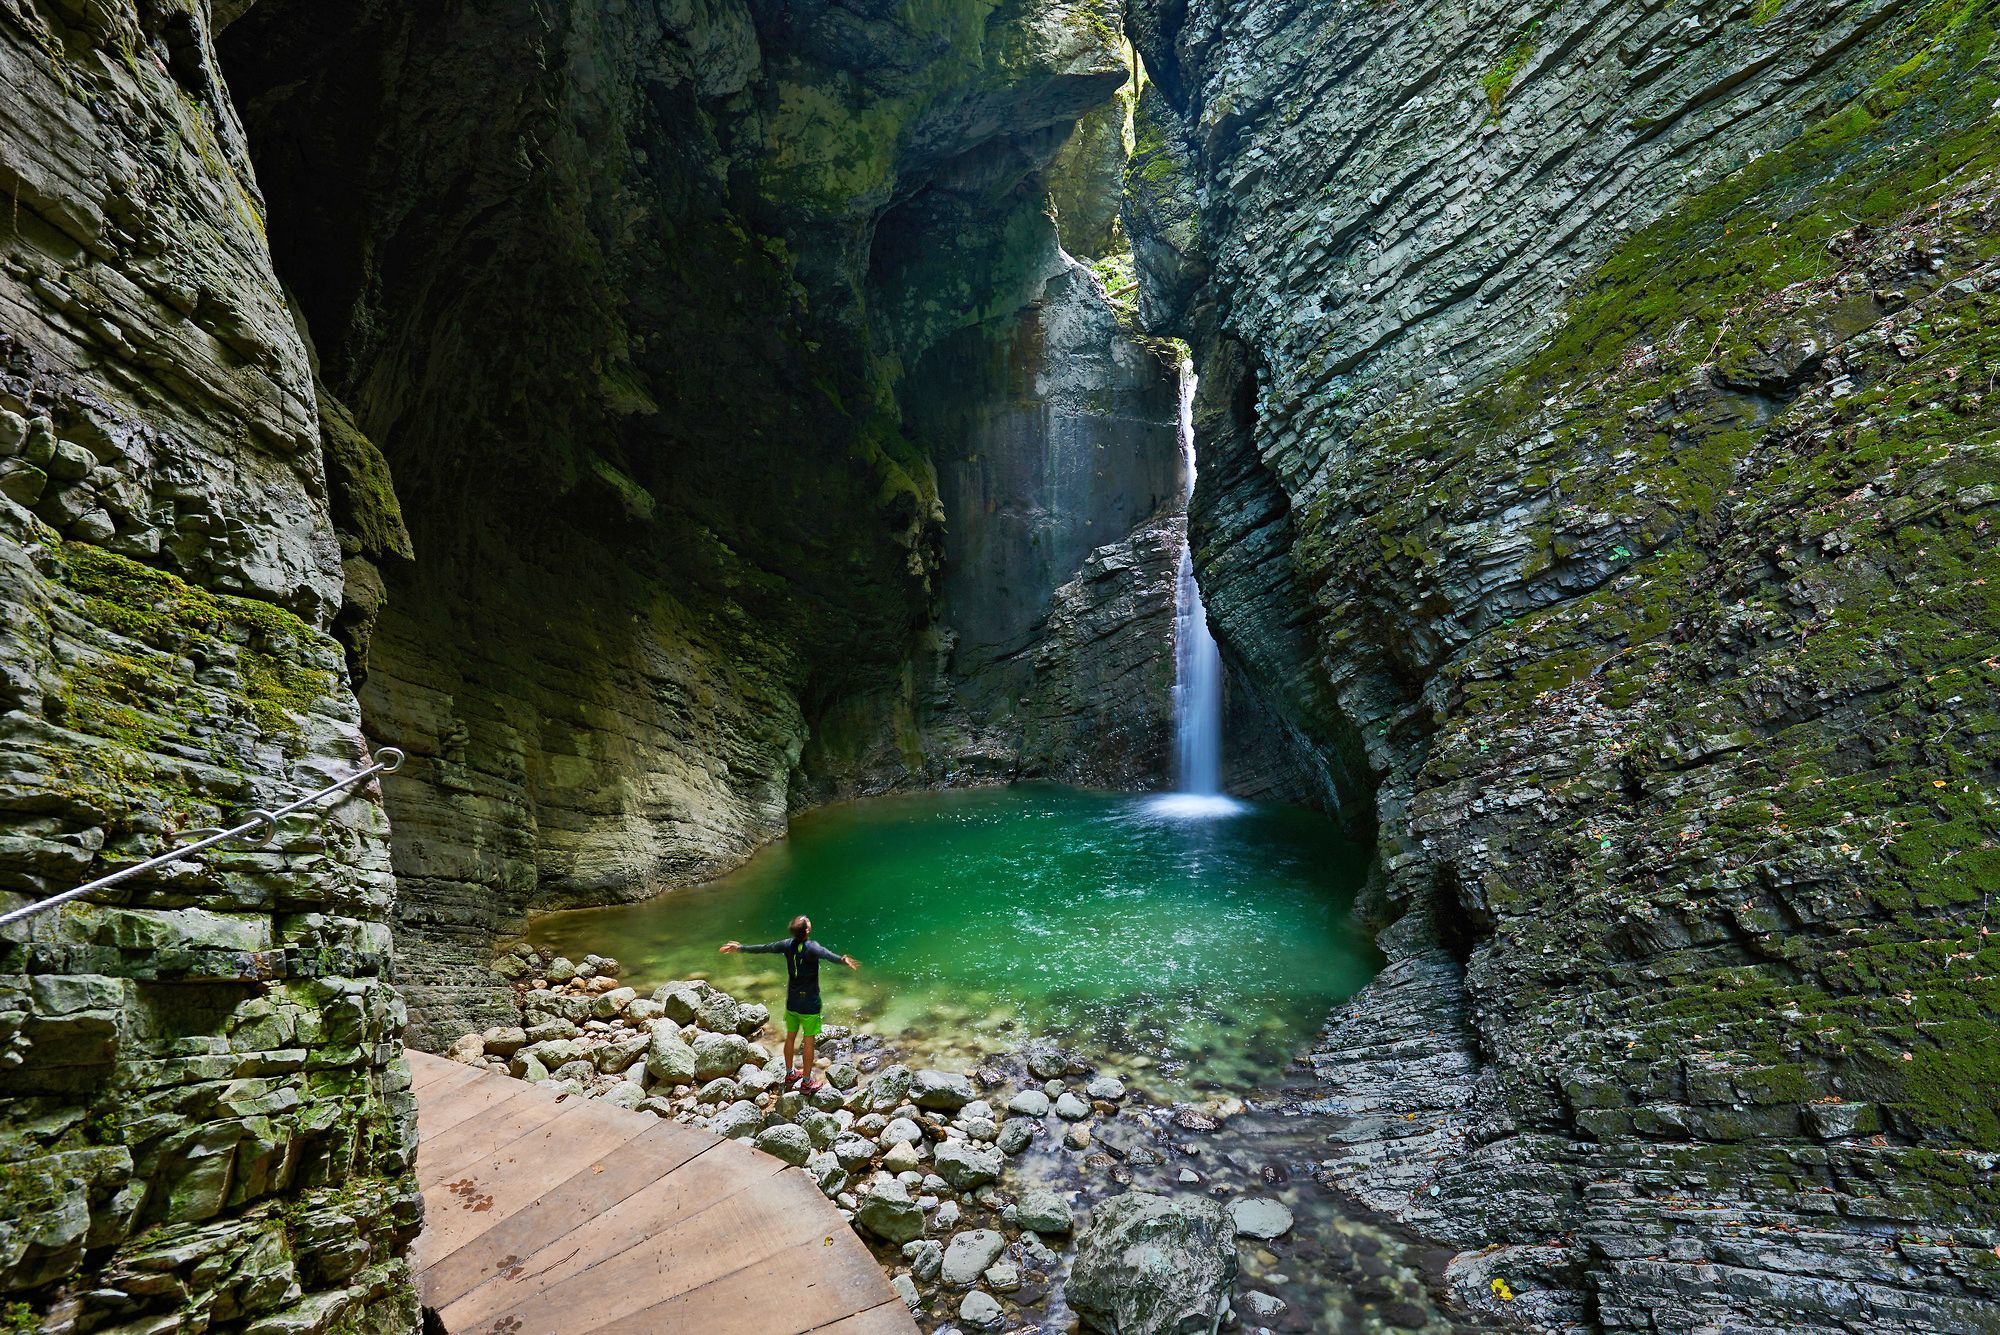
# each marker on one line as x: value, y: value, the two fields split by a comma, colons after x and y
x: 966, y: 1168
x: 887, y: 1090
x: 825, y: 1169
x: 786, y: 1141
x: 668, y: 1060
x: 1154, y: 1265
x: 718, y: 1013
x: 624, y: 1094
x: 739, y: 1121
x: 470, y: 1049
x: 1260, y: 1217
x: 718, y: 1054
x: 607, y: 1004
x: 842, y: 1075
x: 854, y: 1152
x: 721, y: 1090
x: 680, y: 1001
x: 1015, y: 1135
x: 560, y: 970
x: 902, y: 1131
x: 904, y: 1158
x: 751, y: 1018
x: 941, y: 1090
x: 505, y: 1040
x: 887, y: 1212
x: 614, y: 1057
x: 968, y: 1254
x: 1044, y: 1211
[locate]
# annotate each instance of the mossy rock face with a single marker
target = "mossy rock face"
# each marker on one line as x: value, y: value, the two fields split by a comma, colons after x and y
x: 1666, y: 619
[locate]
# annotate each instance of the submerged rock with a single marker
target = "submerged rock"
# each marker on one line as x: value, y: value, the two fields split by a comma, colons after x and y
x: 1260, y: 1217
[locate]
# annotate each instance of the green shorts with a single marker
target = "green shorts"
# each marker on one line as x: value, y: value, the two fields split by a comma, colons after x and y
x: 796, y: 1023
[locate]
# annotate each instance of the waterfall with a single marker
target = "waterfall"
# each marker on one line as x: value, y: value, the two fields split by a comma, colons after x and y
x: 1197, y: 698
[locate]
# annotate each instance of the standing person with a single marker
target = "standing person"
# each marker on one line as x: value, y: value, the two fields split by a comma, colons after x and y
x: 802, y: 957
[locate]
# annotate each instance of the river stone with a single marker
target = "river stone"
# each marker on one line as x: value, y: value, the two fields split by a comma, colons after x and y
x: 901, y: 1131
x: 786, y: 1141
x: 1263, y: 1306
x: 560, y: 970
x: 968, y: 1255
x: 906, y: 1289
x: 614, y: 1057
x: 1107, y: 1087
x: 1029, y: 1103
x: 607, y: 1004
x: 979, y: 1310
x: 926, y: 1258
x: 579, y: 1072
x: 1015, y: 1135
x: 680, y: 1001
x: 1260, y: 1217
x: 668, y: 1060
x: 505, y: 1040
x: 1047, y: 1063
x: 526, y: 1066
x: 718, y: 1054
x: 826, y: 1170
x: 1149, y: 1265
x: 820, y: 1126
x: 550, y: 1027
x: 718, y: 1013
x: 644, y: 1010
x: 720, y: 1090
x: 966, y: 1168
x: 940, y: 1089
x: 887, y: 1211
x: 1003, y: 1277
x: 470, y: 1050
x: 739, y: 1121
x: 1071, y: 1108
x: 843, y: 1075
x: 854, y: 1152
x: 624, y: 1094
x: 1044, y: 1211
x: 887, y: 1090
x: 751, y: 1018
x: 903, y: 1158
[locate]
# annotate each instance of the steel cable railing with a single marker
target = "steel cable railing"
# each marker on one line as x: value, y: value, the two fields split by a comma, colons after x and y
x: 387, y: 761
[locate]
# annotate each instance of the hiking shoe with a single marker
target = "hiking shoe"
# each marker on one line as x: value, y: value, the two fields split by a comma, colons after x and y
x: 813, y: 1086
x: 793, y: 1078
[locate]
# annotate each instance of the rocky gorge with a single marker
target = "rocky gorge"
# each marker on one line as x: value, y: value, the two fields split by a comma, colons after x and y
x: 661, y: 417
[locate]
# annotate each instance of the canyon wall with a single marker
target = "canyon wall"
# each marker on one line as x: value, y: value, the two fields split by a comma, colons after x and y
x: 1598, y: 476
x: 205, y: 1120
x: 706, y: 347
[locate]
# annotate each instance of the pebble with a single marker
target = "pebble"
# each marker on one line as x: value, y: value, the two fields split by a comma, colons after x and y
x: 980, y: 1310
x: 1260, y: 1217
x: 1071, y: 1108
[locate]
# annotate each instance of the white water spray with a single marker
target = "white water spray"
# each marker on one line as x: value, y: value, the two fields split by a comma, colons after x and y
x: 1197, y: 696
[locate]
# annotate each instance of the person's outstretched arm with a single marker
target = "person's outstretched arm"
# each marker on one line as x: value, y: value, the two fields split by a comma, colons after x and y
x: 768, y: 948
x: 818, y: 951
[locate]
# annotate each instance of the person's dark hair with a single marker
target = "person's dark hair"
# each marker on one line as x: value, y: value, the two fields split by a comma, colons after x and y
x: 800, y: 926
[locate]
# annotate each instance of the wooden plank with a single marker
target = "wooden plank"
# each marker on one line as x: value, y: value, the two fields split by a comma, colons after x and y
x: 787, y: 1292
x: 501, y: 1123
x: 439, y: 1115
x: 890, y: 1318
x: 478, y: 1194
x: 739, y: 1230
x: 661, y: 1177
x: 431, y: 1075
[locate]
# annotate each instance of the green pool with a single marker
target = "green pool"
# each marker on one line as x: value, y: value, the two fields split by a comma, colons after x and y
x: 1191, y: 945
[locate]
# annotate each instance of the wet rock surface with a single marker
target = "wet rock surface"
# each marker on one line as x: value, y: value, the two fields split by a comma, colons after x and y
x: 1608, y: 519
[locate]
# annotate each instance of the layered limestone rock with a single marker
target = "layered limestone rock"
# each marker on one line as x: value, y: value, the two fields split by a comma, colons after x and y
x: 668, y: 336
x: 1596, y: 480
x: 204, y: 1116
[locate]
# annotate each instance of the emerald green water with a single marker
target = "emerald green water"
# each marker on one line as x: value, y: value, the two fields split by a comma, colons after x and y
x: 1190, y: 952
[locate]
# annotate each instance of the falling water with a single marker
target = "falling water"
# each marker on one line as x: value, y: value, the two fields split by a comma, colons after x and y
x: 1197, y: 667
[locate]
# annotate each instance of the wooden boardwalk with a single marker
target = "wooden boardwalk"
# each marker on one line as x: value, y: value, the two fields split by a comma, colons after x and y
x: 548, y: 1218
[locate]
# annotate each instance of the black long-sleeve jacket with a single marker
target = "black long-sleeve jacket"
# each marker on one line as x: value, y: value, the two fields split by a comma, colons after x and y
x: 801, y: 971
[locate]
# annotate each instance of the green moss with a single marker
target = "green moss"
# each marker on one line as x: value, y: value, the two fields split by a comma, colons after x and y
x: 1766, y: 10
x: 1498, y: 80
x: 279, y: 680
